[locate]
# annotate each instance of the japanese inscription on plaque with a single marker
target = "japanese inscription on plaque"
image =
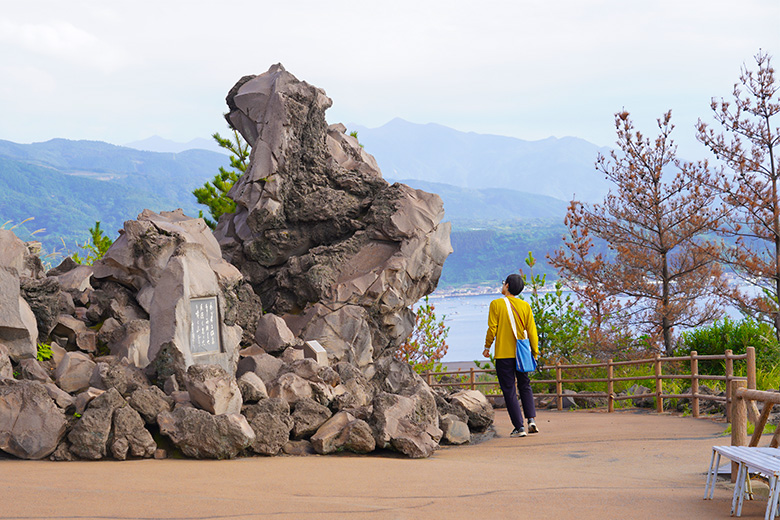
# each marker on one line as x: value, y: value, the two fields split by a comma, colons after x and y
x: 204, y: 329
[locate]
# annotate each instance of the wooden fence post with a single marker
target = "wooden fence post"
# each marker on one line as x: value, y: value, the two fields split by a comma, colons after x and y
x: 610, y: 386
x: 750, y: 372
x: 729, y: 376
x: 738, y: 421
x: 558, y: 386
x: 694, y: 383
x: 659, y: 402
x: 471, y: 379
x: 428, y: 377
x: 750, y: 369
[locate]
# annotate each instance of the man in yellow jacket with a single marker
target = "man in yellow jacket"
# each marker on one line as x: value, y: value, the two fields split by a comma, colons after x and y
x: 500, y: 329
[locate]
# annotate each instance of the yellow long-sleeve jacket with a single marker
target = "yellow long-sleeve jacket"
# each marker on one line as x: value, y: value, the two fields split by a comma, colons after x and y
x: 500, y: 329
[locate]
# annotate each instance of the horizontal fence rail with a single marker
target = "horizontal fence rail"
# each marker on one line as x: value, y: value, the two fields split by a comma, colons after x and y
x: 470, y: 379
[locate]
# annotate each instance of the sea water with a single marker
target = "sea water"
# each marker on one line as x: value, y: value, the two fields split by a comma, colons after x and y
x: 467, y: 318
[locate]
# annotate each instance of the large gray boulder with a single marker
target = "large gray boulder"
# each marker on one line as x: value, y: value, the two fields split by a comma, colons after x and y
x: 6, y: 369
x: 43, y: 297
x: 357, y: 437
x: 121, y: 374
x: 326, y: 243
x: 31, y: 424
x: 478, y: 409
x: 273, y: 334
x: 72, y: 277
x: 328, y: 439
x: 307, y: 417
x: 291, y: 387
x: 90, y: 436
x: 32, y: 369
x: 202, y: 435
x: 212, y: 389
x: 252, y: 387
x: 74, y: 372
x: 454, y: 430
x: 396, y: 426
x: 131, y: 341
x: 398, y: 377
x: 15, y: 256
x: 266, y: 366
x: 130, y: 436
x: 149, y: 402
x: 18, y: 327
x: 168, y: 260
x: 271, y: 422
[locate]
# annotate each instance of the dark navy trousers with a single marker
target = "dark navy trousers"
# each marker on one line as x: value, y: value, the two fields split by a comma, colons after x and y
x: 507, y: 376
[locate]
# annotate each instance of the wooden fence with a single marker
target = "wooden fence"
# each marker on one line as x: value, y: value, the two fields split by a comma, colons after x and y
x: 469, y: 379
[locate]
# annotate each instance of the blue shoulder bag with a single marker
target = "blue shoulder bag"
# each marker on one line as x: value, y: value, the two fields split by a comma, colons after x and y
x: 523, y: 356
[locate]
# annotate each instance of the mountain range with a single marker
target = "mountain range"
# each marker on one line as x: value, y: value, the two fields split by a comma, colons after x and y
x: 504, y: 196
x: 66, y: 186
x: 561, y: 168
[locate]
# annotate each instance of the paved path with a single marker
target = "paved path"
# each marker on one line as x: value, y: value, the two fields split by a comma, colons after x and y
x: 583, y: 465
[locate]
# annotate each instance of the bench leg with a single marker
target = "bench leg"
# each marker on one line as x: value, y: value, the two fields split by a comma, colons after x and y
x: 712, y: 475
x: 739, y: 489
x: 747, y: 489
x: 774, y: 489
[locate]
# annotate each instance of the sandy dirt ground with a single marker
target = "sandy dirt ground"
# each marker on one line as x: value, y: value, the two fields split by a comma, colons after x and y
x: 582, y: 465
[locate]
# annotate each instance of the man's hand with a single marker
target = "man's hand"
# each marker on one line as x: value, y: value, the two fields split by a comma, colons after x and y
x: 486, y: 353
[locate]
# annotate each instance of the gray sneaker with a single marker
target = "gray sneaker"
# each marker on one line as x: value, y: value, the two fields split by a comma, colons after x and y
x: 518, y: 432
x: 532, y: 428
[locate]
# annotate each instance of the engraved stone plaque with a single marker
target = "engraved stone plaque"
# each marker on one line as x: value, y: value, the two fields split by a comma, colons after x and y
x: 204, y: 330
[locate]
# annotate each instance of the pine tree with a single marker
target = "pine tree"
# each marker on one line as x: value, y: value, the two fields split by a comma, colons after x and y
x: 214, y: 194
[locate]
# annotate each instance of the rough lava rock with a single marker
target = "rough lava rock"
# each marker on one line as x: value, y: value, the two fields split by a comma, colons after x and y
x: 478, y: 409
x: 202, y: 435
x: 168, y: 259
x: 90, y: 436
x: 130, y: 436
x: 324, y: 240
x: 31, y: 425
x: 212, y: 389
x: 270, y: 420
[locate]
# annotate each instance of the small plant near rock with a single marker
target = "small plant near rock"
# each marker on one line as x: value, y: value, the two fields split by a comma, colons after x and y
x: 427, y: 344
x: 94, y: 248
x: 214, y: 194
x: 44, y: 352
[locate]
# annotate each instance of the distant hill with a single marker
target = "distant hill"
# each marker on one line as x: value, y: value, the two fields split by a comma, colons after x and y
x: 68, y: 185
x: 463, y: 206
x: 560, y: 168
x: 159, y: 144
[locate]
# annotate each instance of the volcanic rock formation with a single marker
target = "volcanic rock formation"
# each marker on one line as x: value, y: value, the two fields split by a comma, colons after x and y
x: 323, y: 239
x: 273, y: 335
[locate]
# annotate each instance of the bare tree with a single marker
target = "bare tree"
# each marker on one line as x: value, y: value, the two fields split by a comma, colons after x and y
x: 581, y: 272
x: 748, y: 145
x: 654, y: 221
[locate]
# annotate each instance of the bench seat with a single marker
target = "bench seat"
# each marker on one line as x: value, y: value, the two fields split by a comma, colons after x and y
x: 763, y: 460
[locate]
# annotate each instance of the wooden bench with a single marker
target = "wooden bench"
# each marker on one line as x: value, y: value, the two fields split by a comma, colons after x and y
x: 763, y: 460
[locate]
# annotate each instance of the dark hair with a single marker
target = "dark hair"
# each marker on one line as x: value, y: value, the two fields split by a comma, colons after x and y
x: 515, y: 284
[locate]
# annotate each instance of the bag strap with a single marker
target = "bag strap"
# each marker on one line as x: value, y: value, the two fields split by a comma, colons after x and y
x: 512, y: 312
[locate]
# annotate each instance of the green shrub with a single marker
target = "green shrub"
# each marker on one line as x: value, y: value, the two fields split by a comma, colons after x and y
x: 728, y: 334
x: 44, y: 352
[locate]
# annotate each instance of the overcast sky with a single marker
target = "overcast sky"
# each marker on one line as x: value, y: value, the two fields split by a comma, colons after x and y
x: 123, y: 71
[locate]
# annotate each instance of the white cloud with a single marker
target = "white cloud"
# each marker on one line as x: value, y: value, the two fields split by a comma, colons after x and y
x: 61, y: 39
x: 526, y: 68
x: 25, y: 78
